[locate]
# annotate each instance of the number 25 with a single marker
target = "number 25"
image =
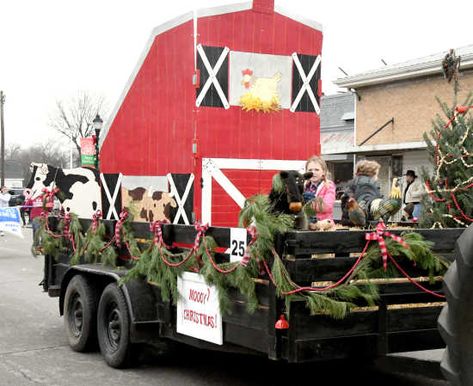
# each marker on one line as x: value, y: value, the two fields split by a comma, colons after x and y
x: 237, y: 248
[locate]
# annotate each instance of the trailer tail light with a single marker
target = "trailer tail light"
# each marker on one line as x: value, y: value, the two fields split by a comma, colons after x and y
x: 282, y: 323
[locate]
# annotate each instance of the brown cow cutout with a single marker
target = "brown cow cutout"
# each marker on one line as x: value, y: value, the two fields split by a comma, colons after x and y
x: 148, y: 207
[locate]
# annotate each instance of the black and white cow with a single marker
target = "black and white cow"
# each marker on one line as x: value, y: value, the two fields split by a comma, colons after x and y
x: 286, y: 195
x: 79, y: 187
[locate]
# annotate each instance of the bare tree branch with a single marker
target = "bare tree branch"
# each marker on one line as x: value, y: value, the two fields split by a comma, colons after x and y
x: 73, y: 118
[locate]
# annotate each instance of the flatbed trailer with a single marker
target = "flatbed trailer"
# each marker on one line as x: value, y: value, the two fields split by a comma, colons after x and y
x: 404, y: 318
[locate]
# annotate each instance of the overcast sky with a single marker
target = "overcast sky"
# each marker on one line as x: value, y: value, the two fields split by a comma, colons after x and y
x: 51, y: 49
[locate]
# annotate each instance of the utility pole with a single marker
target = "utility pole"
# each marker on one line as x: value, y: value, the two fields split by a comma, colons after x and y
x: 2, y: 139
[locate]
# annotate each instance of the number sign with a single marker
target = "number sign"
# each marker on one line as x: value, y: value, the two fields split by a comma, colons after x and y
x: 237, y: 243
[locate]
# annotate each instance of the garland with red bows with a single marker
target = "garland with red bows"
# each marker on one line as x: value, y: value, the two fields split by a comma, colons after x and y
x: 161, y: 264
x: 336, y: 299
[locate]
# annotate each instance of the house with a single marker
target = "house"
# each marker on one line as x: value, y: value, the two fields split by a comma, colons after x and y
x: 13, y: 174
x: 396, y: 104
x: 220, y: 100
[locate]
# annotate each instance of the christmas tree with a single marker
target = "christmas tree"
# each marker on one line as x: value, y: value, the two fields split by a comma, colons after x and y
x: 449, y: 202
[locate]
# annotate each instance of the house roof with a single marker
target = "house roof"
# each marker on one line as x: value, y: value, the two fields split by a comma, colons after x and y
x: 337, y: 111
x: 337, y: 114
x: 13, y: 169
x: 427, y: 65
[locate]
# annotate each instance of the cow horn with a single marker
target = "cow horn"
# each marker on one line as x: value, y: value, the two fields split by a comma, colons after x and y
x: 44, y: 169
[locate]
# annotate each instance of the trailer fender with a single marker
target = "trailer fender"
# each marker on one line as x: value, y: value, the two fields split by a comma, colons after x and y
x: 139, y: 295
x: 456, y: 319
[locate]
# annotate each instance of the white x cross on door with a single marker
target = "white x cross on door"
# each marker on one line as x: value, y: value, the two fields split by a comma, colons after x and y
x: 212, y: 79
x: 306, y: 83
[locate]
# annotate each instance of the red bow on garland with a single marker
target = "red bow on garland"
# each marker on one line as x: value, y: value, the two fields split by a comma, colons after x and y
x: 201, y: 229
x: 118, y: 227
x: 246, y: 257
x: 378, y: 235
x: 156, y: 228
x: 48, y: 196
x: 95, y: 219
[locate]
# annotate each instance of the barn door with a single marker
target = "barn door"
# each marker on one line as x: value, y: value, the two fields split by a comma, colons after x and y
x: 239, y: 179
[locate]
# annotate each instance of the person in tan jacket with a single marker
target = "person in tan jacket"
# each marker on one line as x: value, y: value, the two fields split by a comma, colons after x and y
x: 413, y: 194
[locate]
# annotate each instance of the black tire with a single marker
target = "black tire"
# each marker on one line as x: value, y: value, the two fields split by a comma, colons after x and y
x: 80, y: 314
x: 456, y: 319
x: 113, y: 327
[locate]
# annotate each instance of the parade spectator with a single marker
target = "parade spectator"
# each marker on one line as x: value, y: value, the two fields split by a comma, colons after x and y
x: 412, y: 196
x: 36, y: 208
x: 319, y: 190
x: 4, y: 199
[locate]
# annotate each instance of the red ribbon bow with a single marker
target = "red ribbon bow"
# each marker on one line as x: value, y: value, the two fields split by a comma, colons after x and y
x: 119, y: 225
x: 201, y: 229
x: 67, y: 223
x: 95, y: 219
x: 48, y: 196
x: 246, y: 257
x: 378, y: 235
x: 156, y: 228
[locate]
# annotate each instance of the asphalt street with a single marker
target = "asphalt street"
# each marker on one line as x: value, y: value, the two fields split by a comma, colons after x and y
x: 34, y: 349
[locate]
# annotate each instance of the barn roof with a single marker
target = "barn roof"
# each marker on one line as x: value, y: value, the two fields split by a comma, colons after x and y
x: 198, y: 13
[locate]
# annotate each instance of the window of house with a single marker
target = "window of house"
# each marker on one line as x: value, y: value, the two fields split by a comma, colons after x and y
x: 341, y: 172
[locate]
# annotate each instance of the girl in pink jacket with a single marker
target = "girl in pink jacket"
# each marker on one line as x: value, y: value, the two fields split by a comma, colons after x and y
x: 319, y: 190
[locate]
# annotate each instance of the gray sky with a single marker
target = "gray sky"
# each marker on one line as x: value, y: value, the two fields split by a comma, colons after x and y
x: 51, y: 49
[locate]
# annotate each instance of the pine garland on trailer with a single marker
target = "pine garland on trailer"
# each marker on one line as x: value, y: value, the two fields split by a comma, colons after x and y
x: 419, y: 253
x: 95, y: 248
x: 161, y: 264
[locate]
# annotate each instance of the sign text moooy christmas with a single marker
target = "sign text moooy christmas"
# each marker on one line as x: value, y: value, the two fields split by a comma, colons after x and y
x: 198, y: 310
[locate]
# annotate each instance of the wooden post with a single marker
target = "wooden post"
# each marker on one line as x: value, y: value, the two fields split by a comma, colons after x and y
x: 2, y: 139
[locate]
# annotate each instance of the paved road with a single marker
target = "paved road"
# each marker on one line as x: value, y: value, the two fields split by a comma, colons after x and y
x: 34, y: 350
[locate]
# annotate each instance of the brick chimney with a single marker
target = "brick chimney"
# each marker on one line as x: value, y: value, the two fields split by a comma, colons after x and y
x: 263, y: 6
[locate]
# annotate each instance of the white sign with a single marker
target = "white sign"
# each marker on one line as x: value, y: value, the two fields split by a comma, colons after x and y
x: 198, y: 310
x: 237, y: 244
x: 10, y: 221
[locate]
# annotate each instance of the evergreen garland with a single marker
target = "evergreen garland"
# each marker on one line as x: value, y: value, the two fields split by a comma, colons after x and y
x: 419, y: 253
x: 49, y: 245
x: 161, y: 265
x: 238, y: 277
x: 152, y: 267
x: 336, y: 302
x: 95, y: 248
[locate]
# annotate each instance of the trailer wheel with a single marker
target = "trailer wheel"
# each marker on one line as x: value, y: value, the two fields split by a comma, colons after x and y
x: 80, y: 313
x: 456, y: 319
x: 113, y: 326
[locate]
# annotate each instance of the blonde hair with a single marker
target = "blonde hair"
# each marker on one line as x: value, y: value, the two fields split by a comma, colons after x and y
x: 367, y: 168
x: 322, y: 163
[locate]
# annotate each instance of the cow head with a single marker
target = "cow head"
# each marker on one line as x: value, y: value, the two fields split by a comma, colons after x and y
x: 294, y: 186
x: 286, y: 192
x: 42, y: 176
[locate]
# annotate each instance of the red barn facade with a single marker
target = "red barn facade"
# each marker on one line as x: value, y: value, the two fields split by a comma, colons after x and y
x: 225, y: 95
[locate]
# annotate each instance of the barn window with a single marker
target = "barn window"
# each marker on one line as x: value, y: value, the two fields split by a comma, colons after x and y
x: 211, y: 97
x: 304, y: 102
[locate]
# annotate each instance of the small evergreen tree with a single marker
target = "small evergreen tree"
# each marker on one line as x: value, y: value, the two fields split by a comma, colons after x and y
x: 449, y: 202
